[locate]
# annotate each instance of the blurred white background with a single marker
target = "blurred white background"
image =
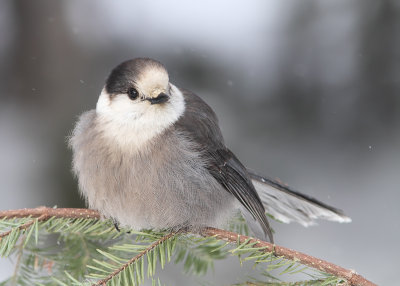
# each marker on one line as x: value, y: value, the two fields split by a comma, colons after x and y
x: 307, y: 91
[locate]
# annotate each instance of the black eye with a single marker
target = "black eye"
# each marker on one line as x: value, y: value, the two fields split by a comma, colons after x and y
x: 133, y: 93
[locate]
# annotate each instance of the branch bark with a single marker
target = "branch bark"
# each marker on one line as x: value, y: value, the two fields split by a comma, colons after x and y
x: 350, y: 275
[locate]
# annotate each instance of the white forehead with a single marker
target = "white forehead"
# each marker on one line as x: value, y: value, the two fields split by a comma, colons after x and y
x: 152, y: 78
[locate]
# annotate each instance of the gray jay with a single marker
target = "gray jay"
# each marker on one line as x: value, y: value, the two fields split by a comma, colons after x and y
x: 152, y: 156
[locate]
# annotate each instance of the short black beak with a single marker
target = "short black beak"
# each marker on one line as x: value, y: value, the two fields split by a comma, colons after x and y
x: 161, y: 98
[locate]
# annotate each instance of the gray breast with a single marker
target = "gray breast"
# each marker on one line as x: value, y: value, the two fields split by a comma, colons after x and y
x: 165, y: 185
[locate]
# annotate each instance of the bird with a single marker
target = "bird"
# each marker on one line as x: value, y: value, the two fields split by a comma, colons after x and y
x: 151, y: 155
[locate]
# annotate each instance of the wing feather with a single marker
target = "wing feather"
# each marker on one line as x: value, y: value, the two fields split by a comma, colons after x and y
x: 202, y: 124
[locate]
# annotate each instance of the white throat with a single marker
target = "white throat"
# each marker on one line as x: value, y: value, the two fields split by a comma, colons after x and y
x: 131, y: 124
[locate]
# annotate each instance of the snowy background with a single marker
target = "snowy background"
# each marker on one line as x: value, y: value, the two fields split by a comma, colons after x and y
x: 307, y: 91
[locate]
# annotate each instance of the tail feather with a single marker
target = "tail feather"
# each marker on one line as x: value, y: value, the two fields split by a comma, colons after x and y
x: 287, y: 205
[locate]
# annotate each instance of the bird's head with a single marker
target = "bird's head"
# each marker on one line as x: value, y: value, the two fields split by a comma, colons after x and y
x: 139, y: 98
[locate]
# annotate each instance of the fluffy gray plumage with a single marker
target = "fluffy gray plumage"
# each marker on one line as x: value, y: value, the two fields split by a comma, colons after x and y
x: 166, y: 185
x: 165, y: 166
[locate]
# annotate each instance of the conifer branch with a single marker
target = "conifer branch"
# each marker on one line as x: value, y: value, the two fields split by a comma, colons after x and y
x: 350, y: 275
x: 23, y: 226
x: 44, y: 213
x: 134, y: 259
x: 51, y: 212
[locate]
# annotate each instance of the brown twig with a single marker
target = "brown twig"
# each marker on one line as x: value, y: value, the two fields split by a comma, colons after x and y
x: 51, y: 212
x: 123, y: 267
x: 23, y: 226
x: 350, y: 275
